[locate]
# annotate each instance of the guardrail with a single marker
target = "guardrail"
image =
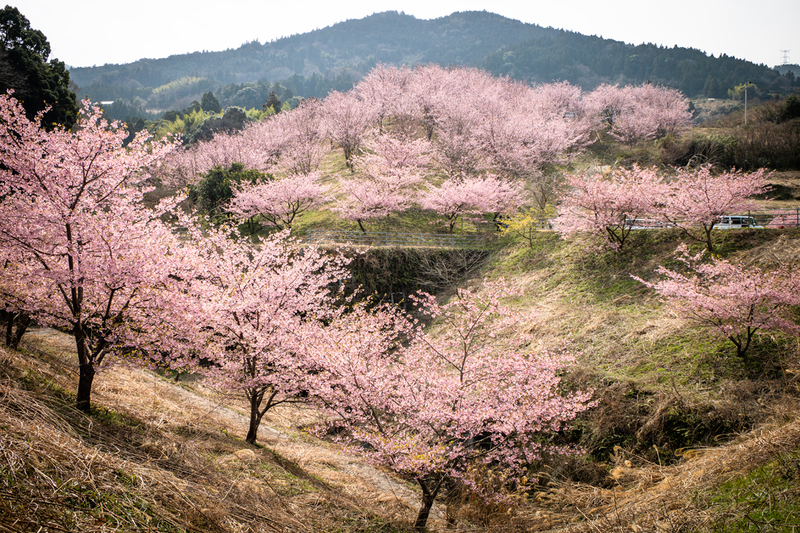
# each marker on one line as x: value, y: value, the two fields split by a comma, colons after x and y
x: 421, y: 240
x: 778, y: 218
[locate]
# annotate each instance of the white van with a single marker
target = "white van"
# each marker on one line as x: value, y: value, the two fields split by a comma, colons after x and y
x: 737, y: 222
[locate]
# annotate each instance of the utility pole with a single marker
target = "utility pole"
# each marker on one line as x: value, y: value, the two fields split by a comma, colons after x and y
x: 745, y: 102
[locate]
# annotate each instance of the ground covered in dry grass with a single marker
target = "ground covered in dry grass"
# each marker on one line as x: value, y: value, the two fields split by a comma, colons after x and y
x: 685, y: 437
x: 160, y: 456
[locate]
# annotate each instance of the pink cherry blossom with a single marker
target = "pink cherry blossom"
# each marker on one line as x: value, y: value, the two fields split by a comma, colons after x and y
x: 279, y: 201
x: 253, y: 302
x: 73, y: 218
x: 440, y: 406
x: 346, y: 118
x: 608, y: 208
x: 472, y: 197
x: 698, y: 198
x: 734, y: 300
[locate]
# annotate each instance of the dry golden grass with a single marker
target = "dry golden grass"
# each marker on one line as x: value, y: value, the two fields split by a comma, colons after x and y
x: 651, y: 497
x: 159, y: 456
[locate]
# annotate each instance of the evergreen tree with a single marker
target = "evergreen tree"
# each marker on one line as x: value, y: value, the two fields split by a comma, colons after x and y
x: 215, y: 190
x: 210, y: 103
x: 273, y: 102
x: 24, y: 68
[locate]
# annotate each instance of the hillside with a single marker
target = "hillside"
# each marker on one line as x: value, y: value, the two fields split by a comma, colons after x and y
x: 686, y: 432
x: 682, y: 434
x: 356, y: 45
x: 172, y: 460
x: 335, y: 57
x: 590, y: 60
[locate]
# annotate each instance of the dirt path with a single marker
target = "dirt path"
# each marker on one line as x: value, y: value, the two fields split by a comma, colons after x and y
x: 162, y: 402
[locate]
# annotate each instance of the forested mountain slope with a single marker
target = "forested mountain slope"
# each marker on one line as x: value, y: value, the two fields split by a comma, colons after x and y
x: 332, y: 58
x: 590, y: 60
x: 460, y: 38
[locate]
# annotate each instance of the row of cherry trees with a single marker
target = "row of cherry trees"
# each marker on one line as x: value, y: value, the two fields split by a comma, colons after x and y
x: 735, y: 301
x: 462, y: 144
x: 693, y: 200
x: 441, y: 139
x: 80, y: 249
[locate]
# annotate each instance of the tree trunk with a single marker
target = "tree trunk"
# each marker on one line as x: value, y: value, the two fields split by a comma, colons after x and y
x: 348, y: 159
x: 743, y: 344
x: 255, y: 418
x: 428, y: 497
x: 86, y: 370
x: 83, y: 401
x: 709, y: 240
x: 22, y: 320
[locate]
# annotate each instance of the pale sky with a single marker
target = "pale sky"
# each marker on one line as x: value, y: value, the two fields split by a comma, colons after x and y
x: 94, y: 32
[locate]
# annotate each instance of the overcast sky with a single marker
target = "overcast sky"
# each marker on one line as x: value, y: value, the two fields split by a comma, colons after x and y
x: 95, y: 32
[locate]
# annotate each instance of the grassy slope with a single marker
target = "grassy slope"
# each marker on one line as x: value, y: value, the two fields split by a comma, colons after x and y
x: 621, y: 329
x: 662, y: 386
x: 160, y: 456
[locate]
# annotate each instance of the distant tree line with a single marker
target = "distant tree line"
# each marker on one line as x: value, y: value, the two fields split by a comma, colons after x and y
x: 591, y: 61
x: 337, y: 57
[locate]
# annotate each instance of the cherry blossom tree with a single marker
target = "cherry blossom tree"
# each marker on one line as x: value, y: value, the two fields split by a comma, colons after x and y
x: 478, y: 123
x: 257, y: 147
x: 440, y: 407
x: 453, y: 116
x: 278, y: 201
x: 387, y: 89
x: 346, y: 118
x: 14, y: 267
x: 73, y: 215
x: 608, y: 208
x: 253, y: 301
x: 734, y: 300
x: 369, y: 199
x: 698, y: 198
x: 395, y: 157
x: 605, y: 102
x: 426, y: 89
x: 457, y: 198
x: 668, y: 106
x: 386, y: 175
x: 524, y: 128
x: 301, y: 133
x: 290, y: 142
x: 642, y: 112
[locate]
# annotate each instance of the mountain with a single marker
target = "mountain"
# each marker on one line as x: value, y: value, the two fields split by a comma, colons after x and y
x: 458, y: 39
x: 590, y: 60
x: 313, y: 63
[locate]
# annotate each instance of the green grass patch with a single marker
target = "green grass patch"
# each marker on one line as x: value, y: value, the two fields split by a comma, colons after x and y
x: 765, y: 500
